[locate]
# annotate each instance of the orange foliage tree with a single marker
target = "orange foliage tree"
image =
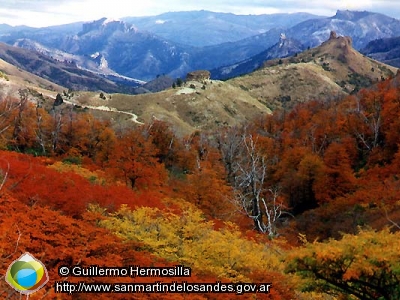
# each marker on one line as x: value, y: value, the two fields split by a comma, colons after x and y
x: 134, y: 159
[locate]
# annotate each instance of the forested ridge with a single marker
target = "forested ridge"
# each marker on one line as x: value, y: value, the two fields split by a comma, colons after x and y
x: 306, y: 199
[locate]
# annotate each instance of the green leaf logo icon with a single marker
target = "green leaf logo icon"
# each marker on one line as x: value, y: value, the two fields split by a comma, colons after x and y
x: 27, y: 274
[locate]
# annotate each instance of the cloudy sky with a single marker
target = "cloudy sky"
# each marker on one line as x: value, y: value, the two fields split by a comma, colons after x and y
x: 39, y: 13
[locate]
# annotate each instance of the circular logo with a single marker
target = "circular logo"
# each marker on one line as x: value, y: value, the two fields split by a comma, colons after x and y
x: 27, y: 274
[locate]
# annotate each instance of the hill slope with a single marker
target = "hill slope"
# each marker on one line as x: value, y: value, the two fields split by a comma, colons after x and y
x: 194, y: 106
x: 13, y: 79
x: 330, y: 70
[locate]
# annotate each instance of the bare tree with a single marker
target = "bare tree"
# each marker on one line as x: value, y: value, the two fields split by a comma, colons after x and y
x: 40, y: 131
x: 7, y: 106
x: 368, y: 113
x: 18, y: 124
x: 56, y: 130
x: 230, y: 144
x: 248, y: 169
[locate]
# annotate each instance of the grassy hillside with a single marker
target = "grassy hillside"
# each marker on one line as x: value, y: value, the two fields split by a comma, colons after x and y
x: 194, y: 106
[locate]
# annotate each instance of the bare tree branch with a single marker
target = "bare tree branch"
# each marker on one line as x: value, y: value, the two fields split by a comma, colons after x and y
x: 390, y: 220
x: 5, y: 175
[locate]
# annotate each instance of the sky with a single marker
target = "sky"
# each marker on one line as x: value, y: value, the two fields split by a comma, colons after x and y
x: 41, y: 13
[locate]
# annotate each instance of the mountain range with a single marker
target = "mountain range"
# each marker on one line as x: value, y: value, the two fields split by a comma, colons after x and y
x: 106, y: 46
x: 132, y: 51
x: 207, y: 28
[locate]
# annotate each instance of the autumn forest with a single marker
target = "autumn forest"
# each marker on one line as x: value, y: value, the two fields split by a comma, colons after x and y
x: 305, y: 199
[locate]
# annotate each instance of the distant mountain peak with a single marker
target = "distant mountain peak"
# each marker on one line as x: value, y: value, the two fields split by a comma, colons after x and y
x: 107, y: 24
x: 350, y: 15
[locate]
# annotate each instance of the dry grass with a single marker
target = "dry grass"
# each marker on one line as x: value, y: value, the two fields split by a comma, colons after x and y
x: 208, y: 105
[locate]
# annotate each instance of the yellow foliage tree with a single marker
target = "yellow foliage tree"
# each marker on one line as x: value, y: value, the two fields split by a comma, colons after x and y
x: 366, y: 265
x: 191, y: 240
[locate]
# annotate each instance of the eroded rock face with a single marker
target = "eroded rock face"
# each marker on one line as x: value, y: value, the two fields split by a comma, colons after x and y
x: 349, y: 41
x: 200, y: 75
x: 344, y: 42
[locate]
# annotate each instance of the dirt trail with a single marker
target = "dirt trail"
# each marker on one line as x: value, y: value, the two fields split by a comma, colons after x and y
x: 111, y: 109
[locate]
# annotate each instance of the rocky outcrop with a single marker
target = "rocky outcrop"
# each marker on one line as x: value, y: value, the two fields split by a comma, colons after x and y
x: 199, y: 75
x: 343, y: 42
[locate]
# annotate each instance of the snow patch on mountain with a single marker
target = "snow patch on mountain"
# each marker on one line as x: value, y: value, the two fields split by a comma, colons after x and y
x: 95, y: 55
x: 109, y: 20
